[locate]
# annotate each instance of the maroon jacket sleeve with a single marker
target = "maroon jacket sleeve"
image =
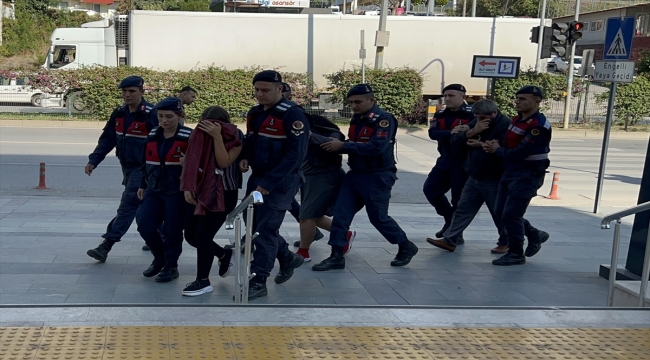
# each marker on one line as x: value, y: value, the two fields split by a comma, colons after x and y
x: 192, y: 162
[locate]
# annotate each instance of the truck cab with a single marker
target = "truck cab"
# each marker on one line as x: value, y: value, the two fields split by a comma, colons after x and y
x: 91, y: 44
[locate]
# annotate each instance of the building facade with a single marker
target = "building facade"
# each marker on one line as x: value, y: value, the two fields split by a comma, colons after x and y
x: 104, y: 8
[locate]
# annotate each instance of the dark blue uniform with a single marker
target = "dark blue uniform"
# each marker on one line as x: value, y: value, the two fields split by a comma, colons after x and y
x: 126, y: 132
x: 525, y: 151
x: 448, y: 173
x: 275, y: 147
x: 163, y: 202
x: 371, y: 177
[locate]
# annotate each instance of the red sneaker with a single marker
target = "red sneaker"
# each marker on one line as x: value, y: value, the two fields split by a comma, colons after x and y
x: 304, y: 253
x: 351, y: 235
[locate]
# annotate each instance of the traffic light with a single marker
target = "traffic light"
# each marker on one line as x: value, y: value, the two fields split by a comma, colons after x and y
x: 575, y: 31
x: 559, y: 38
x: 547, y: 43
x: 534, y: 37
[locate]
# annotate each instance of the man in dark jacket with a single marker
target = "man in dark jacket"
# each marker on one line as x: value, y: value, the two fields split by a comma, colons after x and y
x: 484, y: 170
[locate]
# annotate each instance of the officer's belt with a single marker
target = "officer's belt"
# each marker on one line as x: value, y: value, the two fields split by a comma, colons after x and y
x: 537, y: 157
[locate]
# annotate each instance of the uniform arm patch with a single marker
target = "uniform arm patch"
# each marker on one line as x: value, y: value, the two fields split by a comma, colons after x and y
x: 384, y: 123
x: 298, y: 125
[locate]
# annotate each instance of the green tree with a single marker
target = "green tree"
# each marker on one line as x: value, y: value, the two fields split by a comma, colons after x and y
x: 495, y: 8
x: 643, y: 64
x: 632, y: 101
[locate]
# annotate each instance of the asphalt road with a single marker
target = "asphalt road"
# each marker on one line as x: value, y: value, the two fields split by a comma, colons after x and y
x: 65, y: 153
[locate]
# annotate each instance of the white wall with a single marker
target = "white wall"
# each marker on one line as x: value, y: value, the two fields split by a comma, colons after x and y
x: 323, y: 44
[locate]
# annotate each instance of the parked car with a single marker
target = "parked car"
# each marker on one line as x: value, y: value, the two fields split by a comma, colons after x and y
x: 18, y: 91
x: 557, y: 64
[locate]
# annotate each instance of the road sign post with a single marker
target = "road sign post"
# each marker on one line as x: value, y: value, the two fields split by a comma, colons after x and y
x: 618, y: 43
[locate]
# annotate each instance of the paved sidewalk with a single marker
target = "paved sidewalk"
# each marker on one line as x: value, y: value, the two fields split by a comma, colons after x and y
x: 43, y: 241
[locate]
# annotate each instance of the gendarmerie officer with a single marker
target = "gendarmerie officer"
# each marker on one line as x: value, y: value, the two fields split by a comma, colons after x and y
x: 370, y: 148
x: 448, y: 173
x: 524, y: 150
x: 275, y: 148
x: 160, y: 189
x: 126, y: 131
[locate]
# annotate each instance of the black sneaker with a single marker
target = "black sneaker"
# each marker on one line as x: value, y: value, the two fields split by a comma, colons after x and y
x: 146, y: 247
x: 225, y: 264
x: 441, y: 233
x: 405, y: 254
x: 333, y: 262
x: 100, y: 253
x: 167, y: 274
x: 535, y: 243
x: 287, y: 272
x: 257, y: 290
x: 197, y: 287
x: 319, y: 235
x: 509, y: 259
x: 153, y: 269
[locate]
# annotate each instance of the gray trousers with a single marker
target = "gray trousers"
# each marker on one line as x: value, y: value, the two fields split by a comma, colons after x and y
x: 474, y: 195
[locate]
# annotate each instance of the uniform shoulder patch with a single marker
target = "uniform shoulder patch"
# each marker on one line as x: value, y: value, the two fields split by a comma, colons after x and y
x: 384, y: 123
x: 298, y: 125
x: 534, y: 132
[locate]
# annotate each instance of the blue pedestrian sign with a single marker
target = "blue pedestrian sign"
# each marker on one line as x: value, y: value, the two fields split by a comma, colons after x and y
x: 618, y: 38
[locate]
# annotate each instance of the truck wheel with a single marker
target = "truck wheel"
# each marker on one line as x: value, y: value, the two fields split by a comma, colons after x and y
x: 77, y: 101
x: 36, y: 100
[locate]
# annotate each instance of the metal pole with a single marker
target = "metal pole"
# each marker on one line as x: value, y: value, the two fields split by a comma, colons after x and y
x: 569, y: 86
x: 584, y: 103
x: 237, y: 251
x: 645, y: 273
x: 603, y: 151
x: 613, y: 264
x: 247, y: 252
x: 344, y: 4
x: 464, y: 7
x: 474, y: 8
x: 540, y: 37
x: 379, y: 56
x: 363, y: 58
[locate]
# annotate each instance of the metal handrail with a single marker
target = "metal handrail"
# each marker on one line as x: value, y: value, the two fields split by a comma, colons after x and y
x: 624, y: 213
x: 604, y: 224
x: 233, y: 220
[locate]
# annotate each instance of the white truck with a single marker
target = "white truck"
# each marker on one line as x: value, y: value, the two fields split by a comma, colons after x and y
x: 441, y: 48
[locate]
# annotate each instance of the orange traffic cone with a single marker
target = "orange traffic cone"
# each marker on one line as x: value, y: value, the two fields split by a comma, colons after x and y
x: 556, y: 182
x: 41, y: 178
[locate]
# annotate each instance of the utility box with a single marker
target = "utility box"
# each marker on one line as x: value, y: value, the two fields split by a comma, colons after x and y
x: 381, y: 38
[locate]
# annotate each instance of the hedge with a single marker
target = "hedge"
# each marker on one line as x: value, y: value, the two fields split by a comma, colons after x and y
x: 632, y: 102
x: 553, y: 86
x: 398, y: 91
x: 231, y: 89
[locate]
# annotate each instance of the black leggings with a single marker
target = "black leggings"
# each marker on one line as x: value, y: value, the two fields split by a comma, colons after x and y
x: 201, y: 229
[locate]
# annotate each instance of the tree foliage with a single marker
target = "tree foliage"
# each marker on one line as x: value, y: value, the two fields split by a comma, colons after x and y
x: 495, y: 8
x: 632, y: 101
x: 643, y: 64
x: 124, y: 6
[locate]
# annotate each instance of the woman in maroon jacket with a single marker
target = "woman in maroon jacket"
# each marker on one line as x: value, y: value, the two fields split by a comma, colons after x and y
x: 211, y: 182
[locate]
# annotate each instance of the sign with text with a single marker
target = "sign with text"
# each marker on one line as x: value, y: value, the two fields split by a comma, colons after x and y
x: 614, y: 71
x: 618, y: 38
x: 283, y: 3
x: 495, y: 67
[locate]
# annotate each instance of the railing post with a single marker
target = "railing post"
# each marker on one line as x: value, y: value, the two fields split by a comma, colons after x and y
x: 247, y: 251
x: 644, y: 275
x: 614, y: 264
x: 236, y: 252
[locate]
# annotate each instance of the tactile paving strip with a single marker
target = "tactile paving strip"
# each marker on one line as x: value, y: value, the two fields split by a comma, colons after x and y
x: 315, y: 343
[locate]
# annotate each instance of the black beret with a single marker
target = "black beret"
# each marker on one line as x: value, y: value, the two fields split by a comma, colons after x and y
x: 267, y: 76
x: 457, y: 87
x: 532, y: 90
x: 360, y: 89
x: 131, y: 81
x: 170, y: 103
x: 285, y: 87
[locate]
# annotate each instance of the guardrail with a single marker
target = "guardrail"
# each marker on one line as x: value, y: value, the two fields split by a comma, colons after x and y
x: 604, y: 224
x: 233, y: 221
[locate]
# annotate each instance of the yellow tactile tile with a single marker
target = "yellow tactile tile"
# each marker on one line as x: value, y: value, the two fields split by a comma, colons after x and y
x: 139, y: 353
x: 74, y: 336
x: 201, y: 352
x: 137, y: 336
x: 257, y: 352
x: 17, y: 353
x: 21, y: 337
x: 69, y: 352
x: 263, y: 343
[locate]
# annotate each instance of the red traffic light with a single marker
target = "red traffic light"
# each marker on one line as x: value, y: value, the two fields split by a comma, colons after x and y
x: 577, y: 26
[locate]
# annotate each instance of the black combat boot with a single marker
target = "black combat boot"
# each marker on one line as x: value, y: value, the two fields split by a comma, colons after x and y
x: 406, y: 252
x: 335, y: 261
x: 167, y: 274
x: 154, y: 269
x: 101, y: 252
x: 509, y: 259
x: 441, y: 233
x: 292, y: 262
x: 535, y: 241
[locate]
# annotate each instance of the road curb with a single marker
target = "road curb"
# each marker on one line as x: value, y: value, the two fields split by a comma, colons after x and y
x: 416, y: 131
